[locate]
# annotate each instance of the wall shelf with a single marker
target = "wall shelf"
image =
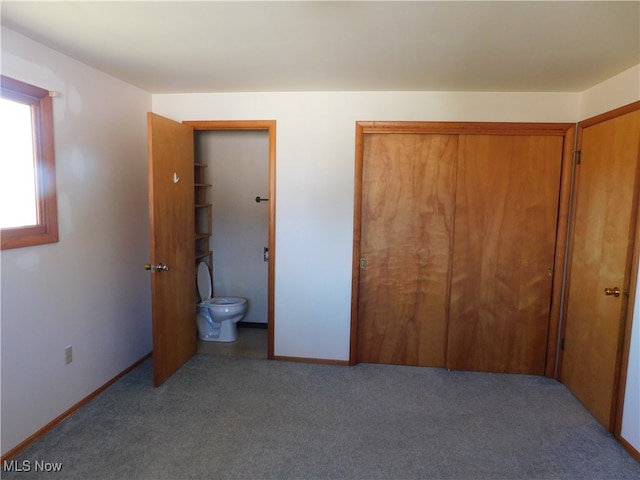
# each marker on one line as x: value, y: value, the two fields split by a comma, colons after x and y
x: 203, y: 217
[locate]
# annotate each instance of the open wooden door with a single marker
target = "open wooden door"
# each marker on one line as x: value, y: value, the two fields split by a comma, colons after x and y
x: 604, y: 224
x: 171, y: 214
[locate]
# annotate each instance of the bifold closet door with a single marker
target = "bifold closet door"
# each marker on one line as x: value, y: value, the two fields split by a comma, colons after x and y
x: 503, y: 253
x: 408, y: 199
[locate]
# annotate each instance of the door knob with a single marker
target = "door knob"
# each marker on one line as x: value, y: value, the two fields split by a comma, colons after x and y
x: 615, y: 291
x: 156, y: 268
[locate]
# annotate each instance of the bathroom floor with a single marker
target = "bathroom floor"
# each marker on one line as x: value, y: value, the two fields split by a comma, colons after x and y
x: 251, y: 343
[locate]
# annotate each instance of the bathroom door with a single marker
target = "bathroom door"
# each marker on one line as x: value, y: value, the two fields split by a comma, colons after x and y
x: 171, y: 217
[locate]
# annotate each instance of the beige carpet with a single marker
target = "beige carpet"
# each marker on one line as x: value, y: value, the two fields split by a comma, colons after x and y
x: 223, y: 417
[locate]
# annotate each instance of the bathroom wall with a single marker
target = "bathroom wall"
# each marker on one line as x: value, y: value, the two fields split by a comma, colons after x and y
x: 89, y: 290
x: 238, y: 172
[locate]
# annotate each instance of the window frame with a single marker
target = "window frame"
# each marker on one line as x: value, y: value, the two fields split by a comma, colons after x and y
x: 46, y: 229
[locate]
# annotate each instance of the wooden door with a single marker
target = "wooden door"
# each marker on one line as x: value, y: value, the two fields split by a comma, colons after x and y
x: 171, y: 213
x: 503, y: 254
x: 408, y: 188
x: 605, y: 209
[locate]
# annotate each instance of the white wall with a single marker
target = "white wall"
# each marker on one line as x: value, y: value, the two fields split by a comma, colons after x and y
x: 617, y: 91
x: 315, y: 155
x: 89, y: 290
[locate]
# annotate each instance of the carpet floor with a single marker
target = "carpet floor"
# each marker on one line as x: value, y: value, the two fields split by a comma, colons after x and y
x: 223, y: 417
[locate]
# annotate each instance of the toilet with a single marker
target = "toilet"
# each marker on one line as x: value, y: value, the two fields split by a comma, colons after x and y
x: 218, y: 316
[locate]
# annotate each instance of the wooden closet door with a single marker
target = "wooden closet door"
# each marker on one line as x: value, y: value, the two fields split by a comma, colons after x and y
x: 408, y: 190
x: 602, y: 245
x: 505, y: 232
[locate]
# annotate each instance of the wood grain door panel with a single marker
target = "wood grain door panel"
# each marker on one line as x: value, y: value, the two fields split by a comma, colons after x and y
x: 604, y: 213
x: 505, y: 232
x: 408, y: 190
x: 171, y: 214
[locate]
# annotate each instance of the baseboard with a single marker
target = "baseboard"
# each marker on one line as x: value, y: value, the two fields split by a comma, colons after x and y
x: 634, y: 453
x: 259, y: 325
x: 60, y: 418
x: 323, y: 361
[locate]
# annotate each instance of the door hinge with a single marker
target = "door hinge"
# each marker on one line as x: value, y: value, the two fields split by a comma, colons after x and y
x: 363, y: 262
x: 577, y: 156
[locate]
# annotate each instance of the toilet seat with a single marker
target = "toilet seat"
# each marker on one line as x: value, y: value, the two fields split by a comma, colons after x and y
x: 204, y: 282
x: 205, y: 291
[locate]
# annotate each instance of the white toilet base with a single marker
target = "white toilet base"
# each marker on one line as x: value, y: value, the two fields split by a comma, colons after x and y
x: 227, y: 333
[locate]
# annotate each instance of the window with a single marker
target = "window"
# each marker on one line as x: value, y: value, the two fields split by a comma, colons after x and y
x: 28, y: 206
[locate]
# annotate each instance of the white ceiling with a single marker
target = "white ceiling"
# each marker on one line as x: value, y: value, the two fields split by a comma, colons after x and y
x: 211, y: 46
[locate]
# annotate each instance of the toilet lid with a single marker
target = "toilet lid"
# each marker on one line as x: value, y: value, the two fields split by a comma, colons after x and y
x: 204, y: 281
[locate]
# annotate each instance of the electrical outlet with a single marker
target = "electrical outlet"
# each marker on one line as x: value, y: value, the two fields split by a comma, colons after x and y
x: 68, y: 355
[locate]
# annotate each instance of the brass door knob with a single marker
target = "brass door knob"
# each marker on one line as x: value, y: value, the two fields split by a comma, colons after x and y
x: 615, y: 291
x: 156, y: 268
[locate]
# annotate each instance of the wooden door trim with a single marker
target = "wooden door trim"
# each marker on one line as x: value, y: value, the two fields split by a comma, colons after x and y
x: 231, y: 124
x: 270, y: 127
x: 566, y: 130
x: 603, y: 117
x: 631, y: 271
x: 465, y: 128
x: 357, y: 238
x: 560, y: 261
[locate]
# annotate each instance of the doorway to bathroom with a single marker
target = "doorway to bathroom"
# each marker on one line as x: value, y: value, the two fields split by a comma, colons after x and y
x: 172, y: 194
x: 239, y: 172
x: 237, y: 168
